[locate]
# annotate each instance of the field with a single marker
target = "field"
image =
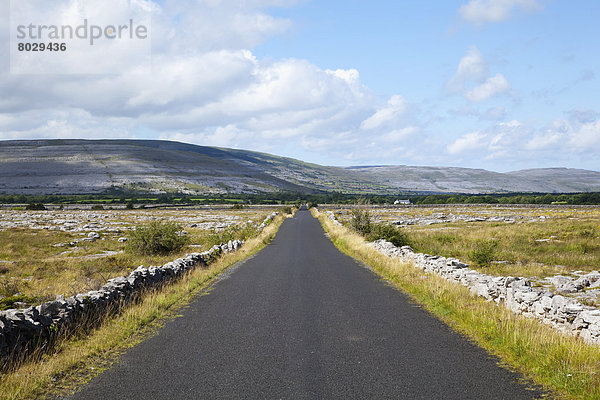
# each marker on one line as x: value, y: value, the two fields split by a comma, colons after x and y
x: 47, y: 253
x: 534, y: 242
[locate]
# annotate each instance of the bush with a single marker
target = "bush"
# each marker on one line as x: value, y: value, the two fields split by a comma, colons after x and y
x: 35, y: 206
x: 97, y: 207
x: 360, y: 221
x: 6, y: 303
x: 158, y: 237
x: 310, y: 205
x: 237, y: 206
x: 130, y: 206
x: 484, y: 252
x: 286, y: 210
x: 389, y: 233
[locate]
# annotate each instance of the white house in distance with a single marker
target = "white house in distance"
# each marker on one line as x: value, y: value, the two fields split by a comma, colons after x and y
x: 405, y: 202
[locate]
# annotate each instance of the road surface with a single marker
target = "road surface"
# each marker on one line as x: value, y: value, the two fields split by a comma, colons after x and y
x: 300, y: 320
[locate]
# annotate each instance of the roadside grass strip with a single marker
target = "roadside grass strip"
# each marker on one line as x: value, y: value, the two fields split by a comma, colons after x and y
x: 563, y: 364
x: 79, y: 357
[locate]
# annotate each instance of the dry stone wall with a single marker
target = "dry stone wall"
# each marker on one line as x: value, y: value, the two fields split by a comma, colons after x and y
x: 268, y: 220
x: 20, y: 329
x: 516, y: 294
x: 332, y: 218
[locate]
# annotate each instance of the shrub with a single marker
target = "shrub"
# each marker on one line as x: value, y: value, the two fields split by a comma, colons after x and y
x: 158, y: 237
x: 130, y: 206
x: 360, y: 221
x: 389, y: 233
x: 35, y: 206
x: 310, y: 205
x: 97, y: 207
x: 484, y: 252
x: 6, y: 303
x: 237, y: 206
x: 286, y: 210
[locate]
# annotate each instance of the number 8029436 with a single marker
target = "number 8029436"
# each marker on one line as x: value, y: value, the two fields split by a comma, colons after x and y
x: 42, y: 46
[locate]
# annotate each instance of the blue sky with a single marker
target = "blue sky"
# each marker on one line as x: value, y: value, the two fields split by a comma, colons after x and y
x: 495, y: 84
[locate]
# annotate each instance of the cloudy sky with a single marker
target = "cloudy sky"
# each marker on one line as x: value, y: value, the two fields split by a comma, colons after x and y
x: 495, y: 84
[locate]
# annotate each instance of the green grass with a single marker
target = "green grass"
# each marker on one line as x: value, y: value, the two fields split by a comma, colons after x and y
x: 563, y: 364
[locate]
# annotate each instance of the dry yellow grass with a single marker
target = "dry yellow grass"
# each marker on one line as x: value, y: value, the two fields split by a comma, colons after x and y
x: 77, y: 359
x: 563, y: 364
x: 30, y: 263
x: 544, y: 242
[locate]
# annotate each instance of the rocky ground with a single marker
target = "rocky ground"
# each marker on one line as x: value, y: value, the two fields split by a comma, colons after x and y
x: 46, y: 253
x: 115, y: 221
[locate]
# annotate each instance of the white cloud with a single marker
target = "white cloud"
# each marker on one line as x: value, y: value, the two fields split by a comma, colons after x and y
x: 471, y: 79
x: 471, y: 67
x: 222, y: 136
x: 511, y: 124
x: 398, y: 135
x: 64, y: 123
x: 206, y: 87
x: 482, y: 11
x: 491, y: 87
x: 185, y: 26
x: 396, y: 107
x: 544, y: 141
x: 586, y: 137
x: 515, y: 143
x: 469, y: 141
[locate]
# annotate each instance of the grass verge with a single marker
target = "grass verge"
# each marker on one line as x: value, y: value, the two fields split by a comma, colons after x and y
x: 563, y: 364
x: 78, y: 358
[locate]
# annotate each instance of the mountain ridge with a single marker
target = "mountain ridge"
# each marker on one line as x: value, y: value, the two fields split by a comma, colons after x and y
x: 74, y: 166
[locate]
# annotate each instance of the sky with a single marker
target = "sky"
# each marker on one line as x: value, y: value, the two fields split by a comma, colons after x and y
x: 502, y: 85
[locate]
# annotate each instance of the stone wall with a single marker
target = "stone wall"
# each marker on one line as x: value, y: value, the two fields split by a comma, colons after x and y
x: 514, y: 293
x: 268, y: 220
x: 332, y: 217
x: 23, y: 329
x: 19, y: 329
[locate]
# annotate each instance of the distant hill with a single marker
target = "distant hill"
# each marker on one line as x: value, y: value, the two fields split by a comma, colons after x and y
x: 561, y: 179
x: 93, y: 166
x: 465, y: 180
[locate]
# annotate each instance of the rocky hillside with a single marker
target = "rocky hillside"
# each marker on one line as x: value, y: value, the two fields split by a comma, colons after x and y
x: 465, y: 180
x: 89, y: 166
x: 93, y: 166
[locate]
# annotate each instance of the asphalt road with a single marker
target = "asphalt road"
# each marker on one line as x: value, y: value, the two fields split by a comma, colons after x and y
x: 300, y: 320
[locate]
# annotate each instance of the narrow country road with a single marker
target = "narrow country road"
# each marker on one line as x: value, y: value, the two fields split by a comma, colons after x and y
x: 300, y: 320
